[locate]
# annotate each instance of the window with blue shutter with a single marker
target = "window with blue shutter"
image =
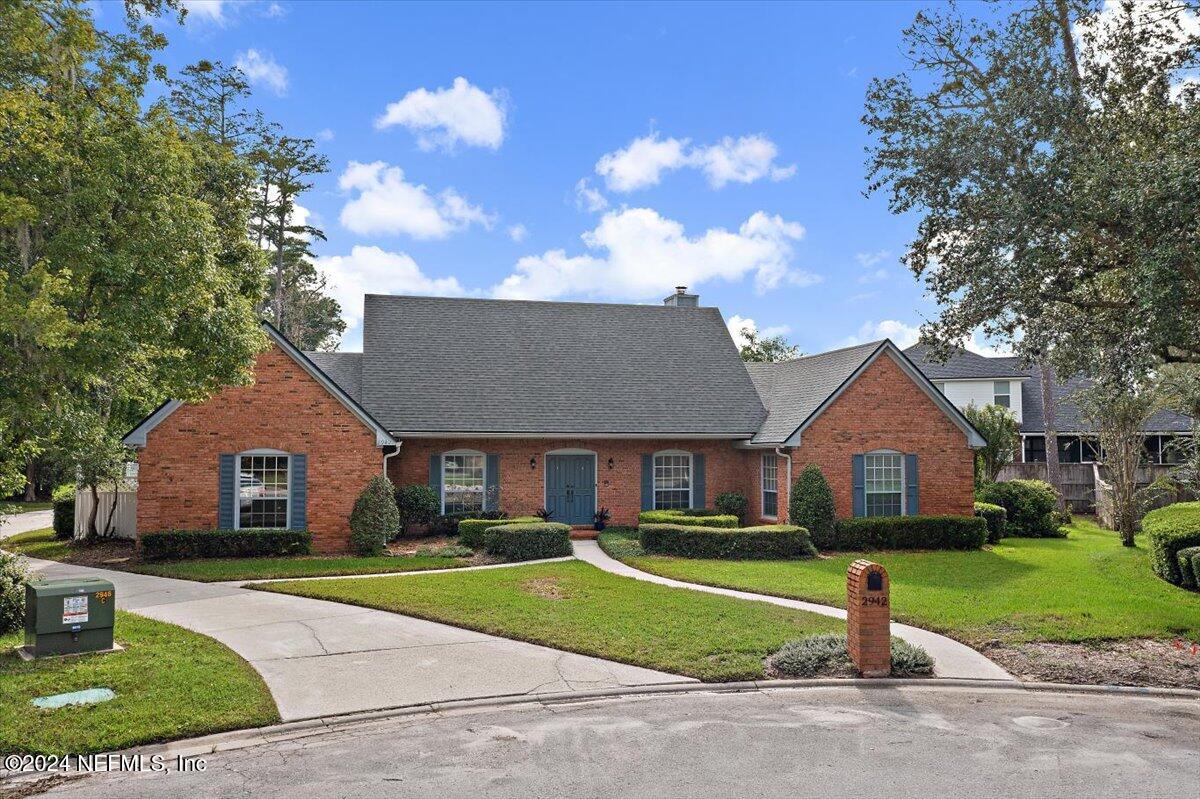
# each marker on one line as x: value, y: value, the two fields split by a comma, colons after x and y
x: 698, y: 486
x: 647, y: 482
x: 858, y: 478
x: 226, y: 490
x: 491, y: 498
x: 435, y: 475
x: 912, y: 485
x: 299, y: 498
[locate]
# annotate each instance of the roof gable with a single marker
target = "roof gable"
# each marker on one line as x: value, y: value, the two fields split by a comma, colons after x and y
x: 961, y: 365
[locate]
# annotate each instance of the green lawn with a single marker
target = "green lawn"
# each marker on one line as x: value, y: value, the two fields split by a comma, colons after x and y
x: 573, y: 606
x: 1083, y: 587
x: 42, y: 544
x: 23, y: 507
x: 169, y: 683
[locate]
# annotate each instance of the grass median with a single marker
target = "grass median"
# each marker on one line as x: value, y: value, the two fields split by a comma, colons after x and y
x: 574, y: 606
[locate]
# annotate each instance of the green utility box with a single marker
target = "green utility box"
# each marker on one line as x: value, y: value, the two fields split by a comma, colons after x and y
x: 66, y: 617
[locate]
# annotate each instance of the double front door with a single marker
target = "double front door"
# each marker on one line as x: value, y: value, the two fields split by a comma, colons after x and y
x: 571, y: 488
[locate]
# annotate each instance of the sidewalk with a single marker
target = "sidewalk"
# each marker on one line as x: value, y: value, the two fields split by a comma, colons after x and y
x: 950, y: 658
x: 13, y: 523
x: 325, y: 658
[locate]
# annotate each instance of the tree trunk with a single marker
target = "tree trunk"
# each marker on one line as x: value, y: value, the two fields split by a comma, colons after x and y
x: 1051, y: 426
x: 91, y: 528
x: 30, y: 481
x: 279, y: 283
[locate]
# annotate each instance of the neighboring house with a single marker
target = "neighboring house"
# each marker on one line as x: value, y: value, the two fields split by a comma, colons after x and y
x: 516, y: 405
x: 967, y: 378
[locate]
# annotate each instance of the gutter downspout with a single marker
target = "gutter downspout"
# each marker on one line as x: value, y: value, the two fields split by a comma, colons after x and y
x: 787, y: 511
x: 391, y: 454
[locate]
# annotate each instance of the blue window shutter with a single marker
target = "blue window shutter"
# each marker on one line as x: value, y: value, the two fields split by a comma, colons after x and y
x: 299, y: 492
x: 647, y: 482
x: 860, y: 487
x: 911, y: 487
x: 698, y: 481
x: 226, y: 491
x: 491, y: 494
x: 435, y: 475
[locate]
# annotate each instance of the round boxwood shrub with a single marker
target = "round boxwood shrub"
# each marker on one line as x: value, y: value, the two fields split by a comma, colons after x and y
x: 1029, y: 504
x: 732, y: 503
x: 375, y: 519
x: 416, y: 504
x: 827, y: 655
x: 14, y: 574
x: 811, y: 506
x: 1168, y: 531
x: 528, y: 541
x: 1189, y: 567
x: 996, y: 518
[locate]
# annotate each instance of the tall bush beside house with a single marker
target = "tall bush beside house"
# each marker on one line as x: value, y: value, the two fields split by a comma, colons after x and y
x: 1030, y: 505
x: 811, y: 506
x: 1170, y: 530
x: 732, y: 503
x: 375, y: 518
x: 417, y: 504
x: 1000, y: 430
x: 14, y: 574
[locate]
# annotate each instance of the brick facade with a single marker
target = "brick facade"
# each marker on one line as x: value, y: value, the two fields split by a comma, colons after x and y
x: 885, y: 409
x: 285, y: 409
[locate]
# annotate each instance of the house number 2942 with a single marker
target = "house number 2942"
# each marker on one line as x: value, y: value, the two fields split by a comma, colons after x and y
x: 878, y: 601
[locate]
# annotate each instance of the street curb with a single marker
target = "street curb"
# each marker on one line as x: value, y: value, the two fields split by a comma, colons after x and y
x: 319, y: 725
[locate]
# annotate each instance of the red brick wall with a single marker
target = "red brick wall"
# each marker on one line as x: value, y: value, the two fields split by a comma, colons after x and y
x: 286, y: 410
x: 885, y: 409
x: 522, y: 490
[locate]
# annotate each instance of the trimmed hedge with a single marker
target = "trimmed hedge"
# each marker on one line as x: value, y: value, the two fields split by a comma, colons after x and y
x: 181, y: 544
x: 996, y: 517
x: 1030, y: 505
x: 470, y: 531
x: 528, y: 541
x: 1169, y: 530
x: 732, y: 503
x: 447, y: 523
x: 1189, y: 567
x: 768, y: 542
x: 64, y: 518
x: 688, y: 518
x: 909, y: 532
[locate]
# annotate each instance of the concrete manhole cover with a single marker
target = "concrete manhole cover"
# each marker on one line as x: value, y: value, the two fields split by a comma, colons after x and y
x: 1040, y: 723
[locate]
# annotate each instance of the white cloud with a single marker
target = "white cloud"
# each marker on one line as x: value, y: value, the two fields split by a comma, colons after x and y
x: 274, y: 11
x: 644, y: 161
x: 873, y: 277
x: 377, y: 271
x: 325, y: 134
x: 211, y: 11
x: 261, y: 68
x: 868, y: 259
x: 386, y: 203
x: 738, y: 325
x: 517, y: 232
x: 982, y: 346
x: 443, y: 118
x: 587, y: 198
x: 901, y: 334
x: 635, y: 253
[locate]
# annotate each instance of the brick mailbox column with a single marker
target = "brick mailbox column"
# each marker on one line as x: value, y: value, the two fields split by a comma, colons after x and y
x: 868, y: 618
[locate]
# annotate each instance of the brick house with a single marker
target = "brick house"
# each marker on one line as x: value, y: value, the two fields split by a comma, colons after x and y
x: 517, y: 405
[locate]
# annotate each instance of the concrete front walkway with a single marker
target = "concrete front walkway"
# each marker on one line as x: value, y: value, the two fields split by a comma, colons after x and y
x: 325, y: 658
x: 951, y: 659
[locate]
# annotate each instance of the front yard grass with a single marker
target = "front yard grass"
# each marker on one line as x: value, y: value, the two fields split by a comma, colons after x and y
x: 43, y: 544
x: 574, y: 606
x: 1080, y: 588
x: 169, y: 683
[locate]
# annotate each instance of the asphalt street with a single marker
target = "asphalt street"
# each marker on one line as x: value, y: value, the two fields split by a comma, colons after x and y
x: 835, y: 742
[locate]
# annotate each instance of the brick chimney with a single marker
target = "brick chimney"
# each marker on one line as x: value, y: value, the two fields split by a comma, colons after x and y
x: 681, y: 299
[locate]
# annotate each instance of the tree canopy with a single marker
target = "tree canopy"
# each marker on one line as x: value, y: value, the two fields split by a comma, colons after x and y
x: 766, y: 350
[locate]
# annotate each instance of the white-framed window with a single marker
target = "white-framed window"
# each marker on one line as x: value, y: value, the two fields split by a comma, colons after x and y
x: 672, y: 480
x: 770, y: 485
x: 1002, y: 393
x: 883, y: 482
x: 264, y: 491
x: 463, y: 482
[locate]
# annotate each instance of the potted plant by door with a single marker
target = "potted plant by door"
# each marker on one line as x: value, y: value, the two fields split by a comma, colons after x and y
x: 599, y: 519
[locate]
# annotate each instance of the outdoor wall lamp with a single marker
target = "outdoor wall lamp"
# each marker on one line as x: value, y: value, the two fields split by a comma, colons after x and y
x: 610, y: 463
x: 533, y: 462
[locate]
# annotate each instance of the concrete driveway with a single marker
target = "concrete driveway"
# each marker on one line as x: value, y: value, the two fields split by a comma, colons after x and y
x: 324, y: 658
x: 13, y: 523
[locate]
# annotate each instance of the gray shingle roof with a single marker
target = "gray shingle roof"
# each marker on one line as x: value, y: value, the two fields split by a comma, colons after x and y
x: 343, y: 368
x: 434, y: 364
x: 962, y: 365
x: 792, y: 390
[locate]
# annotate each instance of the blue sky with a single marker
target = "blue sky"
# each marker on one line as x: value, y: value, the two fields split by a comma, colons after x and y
x: 718, y: 145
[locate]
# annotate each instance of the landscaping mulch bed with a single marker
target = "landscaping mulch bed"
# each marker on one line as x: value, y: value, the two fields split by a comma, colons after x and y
x: 111, y: 554
x: 1141, y: 662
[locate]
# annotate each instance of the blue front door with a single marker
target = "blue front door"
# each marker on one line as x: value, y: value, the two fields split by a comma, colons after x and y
x: 571, y: 488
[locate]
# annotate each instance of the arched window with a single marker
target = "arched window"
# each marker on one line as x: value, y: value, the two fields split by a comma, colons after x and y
x: 264, y: 490
x: 464, y: 481
x: 883, y: 482
x: 672, y: 479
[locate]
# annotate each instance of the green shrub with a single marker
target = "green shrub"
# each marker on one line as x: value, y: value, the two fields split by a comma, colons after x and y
x: 1168, y: 530
x: 1189, y: 567
x: 769, y: 542
x: 1030, y: 506
x: 375, y: 519
x: 470, y: 531
x: 14, y: 574
x: 64, y: 517
x: 827, y: 655
x: 416, y: 504
x: 732, y: 503
x: 811, y: 506
x: 182, y: 544
x: 688, y: 518
x: 532, y: 541
x: 909, y: 532
x: 446, y: 524
x: 996, y: 518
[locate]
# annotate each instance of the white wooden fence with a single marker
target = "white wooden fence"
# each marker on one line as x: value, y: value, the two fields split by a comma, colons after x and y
x: 124, y: 516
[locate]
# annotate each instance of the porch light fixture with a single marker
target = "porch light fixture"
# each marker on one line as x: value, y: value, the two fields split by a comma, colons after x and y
x: 533, y: 462
x: 610, y: 463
